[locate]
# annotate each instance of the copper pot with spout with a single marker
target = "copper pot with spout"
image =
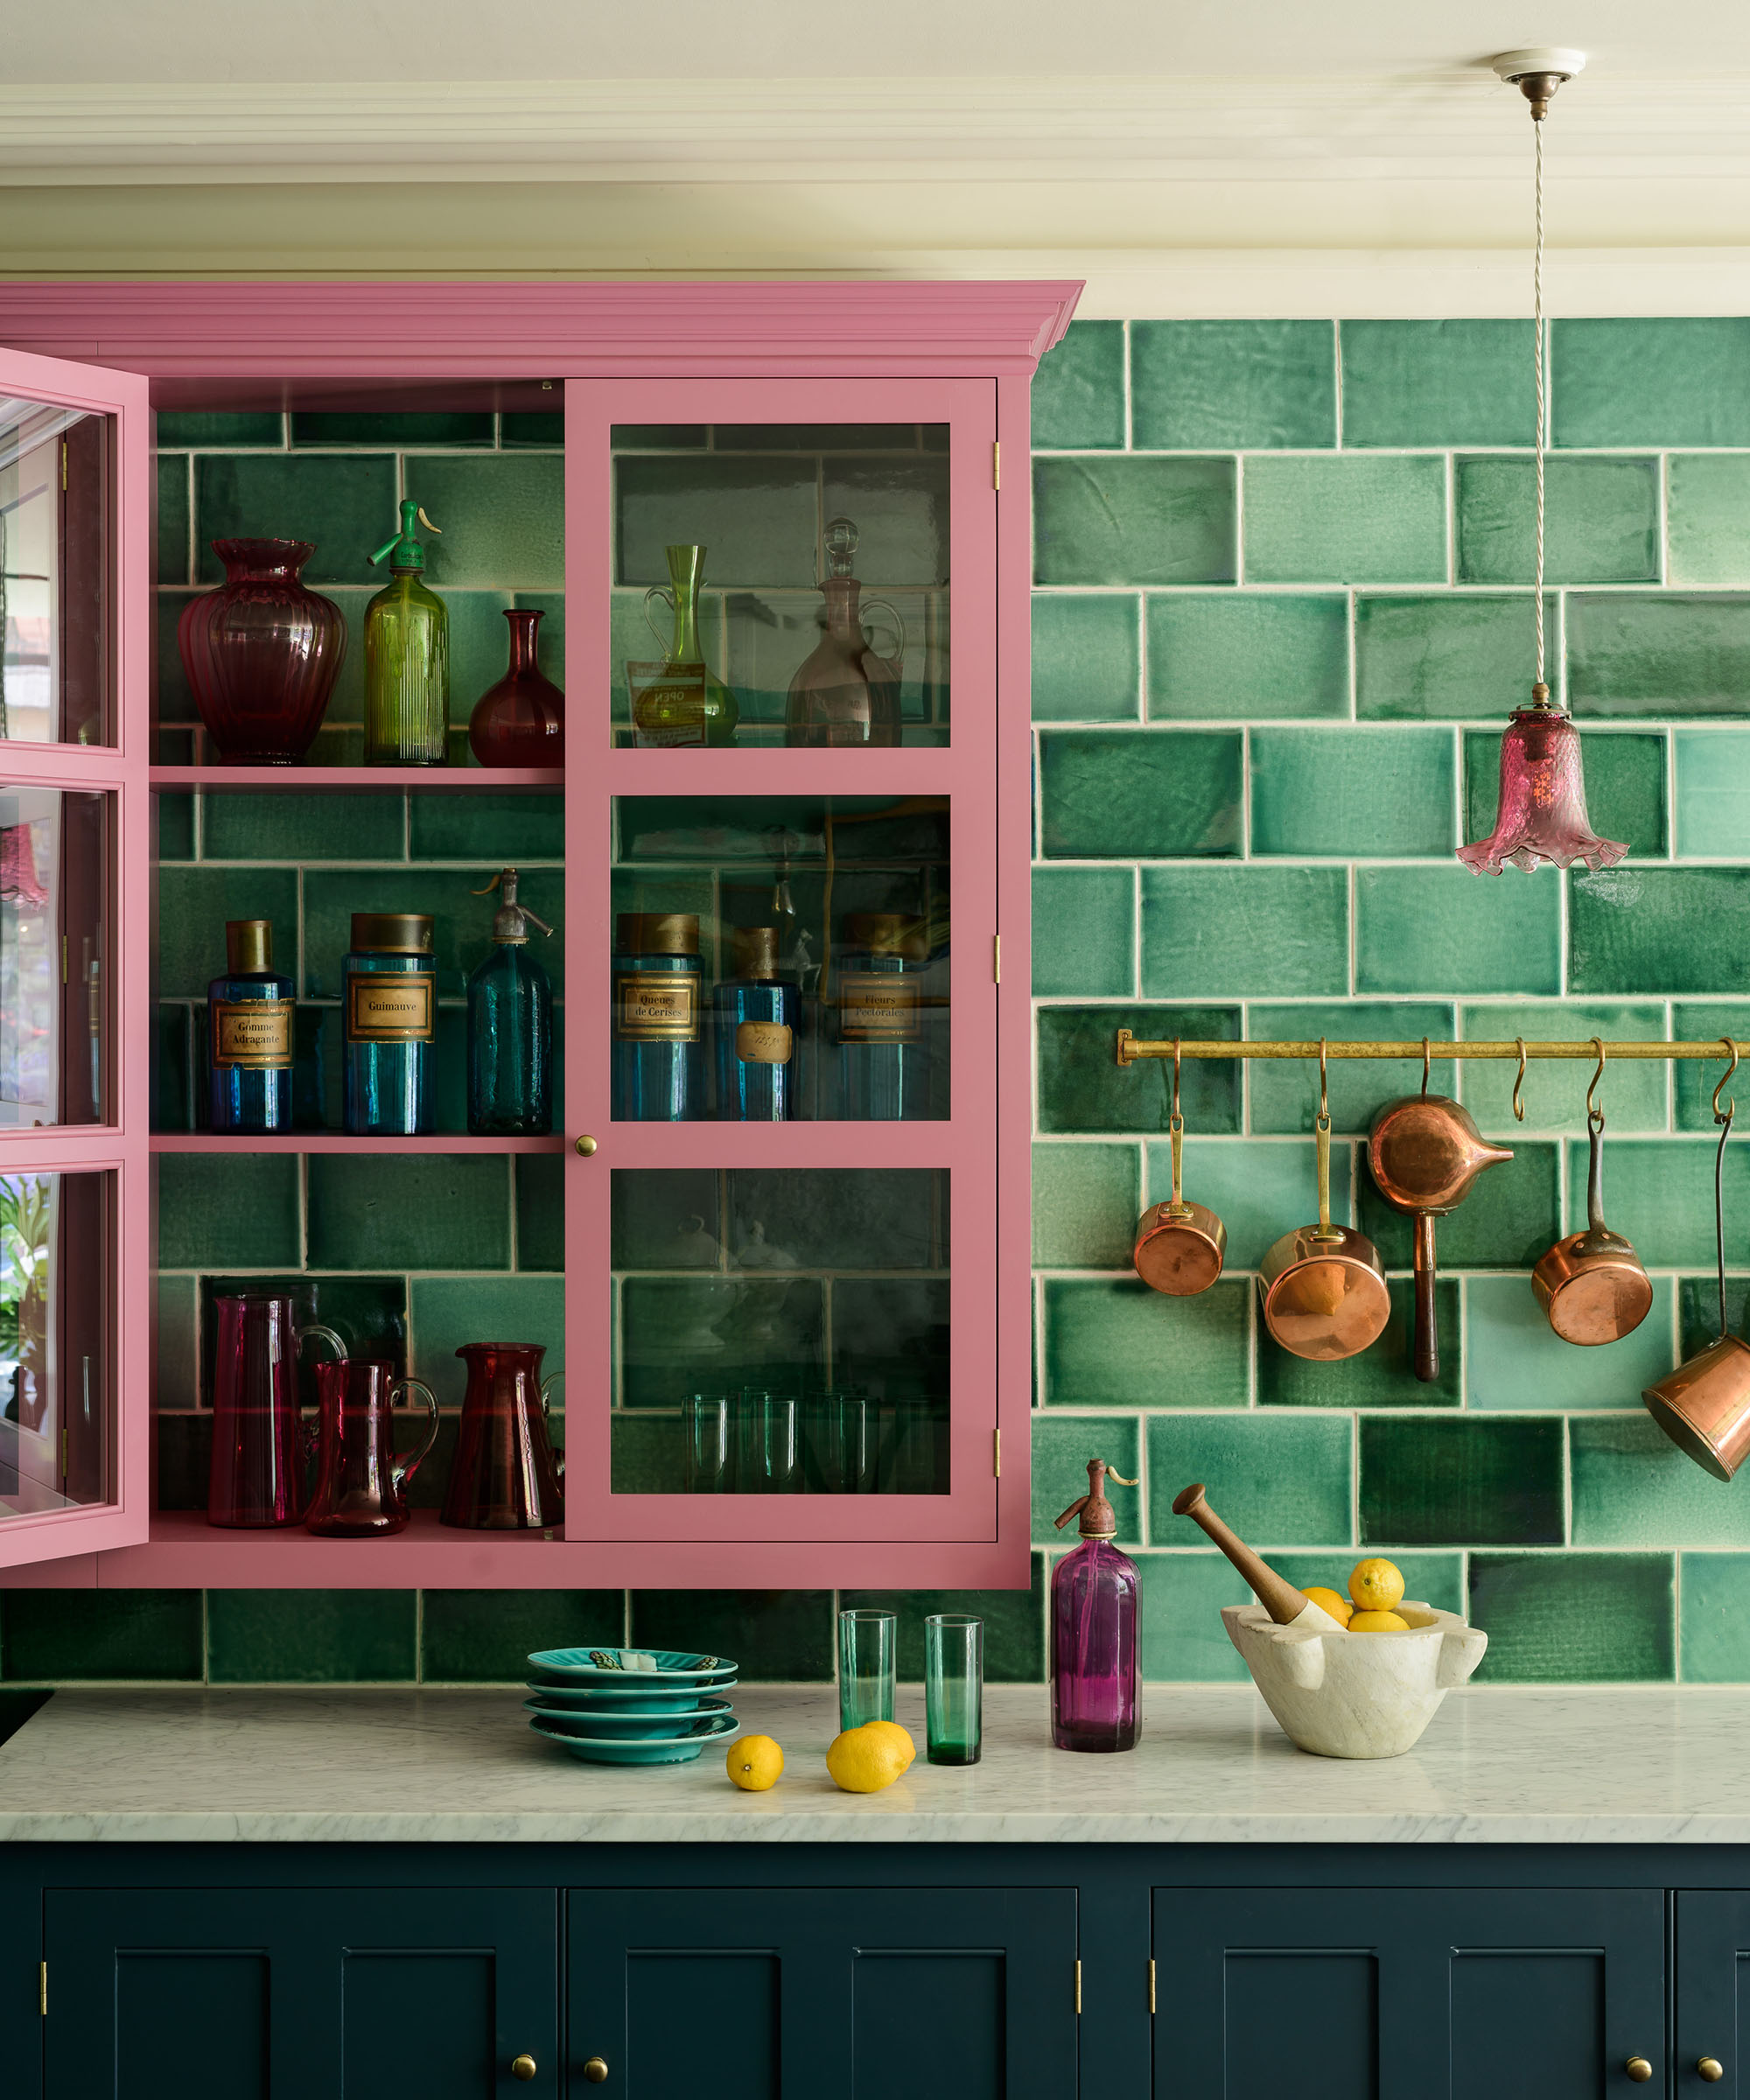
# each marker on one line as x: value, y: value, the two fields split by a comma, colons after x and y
x: 1591, y: 1285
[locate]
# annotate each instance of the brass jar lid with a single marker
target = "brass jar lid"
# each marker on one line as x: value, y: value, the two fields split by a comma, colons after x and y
x: 657, y: 934
x: 881, y: 932
x: 756, y: 951
x: 392, y: 933
x: 248, y: 947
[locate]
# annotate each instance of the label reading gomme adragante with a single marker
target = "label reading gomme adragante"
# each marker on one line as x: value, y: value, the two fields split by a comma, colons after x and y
x: 253, y: 1033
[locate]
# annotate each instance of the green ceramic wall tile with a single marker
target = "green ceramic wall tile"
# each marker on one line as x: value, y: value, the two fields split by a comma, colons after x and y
x: 1234, y: 658
x: 659, y: 1216
x: 1383, y: 1375
x: 1084, y: 933
x: 413, y: 1210
x: 1279, y: 1480
x: 175, y: 504
x: 774, y: 1636
x: 1638, y: 930
x: 1251, y: 932
x: 1082, y: 1086
x: 1086, y: 657
x: 1433, y: 1578
x: 1512, y: 1214
x: 462, y: 934
x: 540, y: 1212
x: 1085, y: 1205
x: 645, y: 1453
x: 503, y: 521
x: 311, y: 1636
x: 1553, y: 1095
x: 193, y: 904
x: 1222, y: 385
x: 217, y: 1211
x: 1698, y: 1320
x: 1712, y: 792
x: 478, y: 654
x: 1181, y: 1637
x: 1713, y: 1617
x: 302, y: 828
x: 1648, y: 382
x: 1632, y: 1487
x: 1437, y: 382
x: 1624, y: 785
x: 1574, y: 1618
x: 483, y: 827
x: 405, y: 427
x: 1515, y: 1361
x: 185, y: 1459
x: 173, y: 701
x: 176, y: 827
x: 681, y: 1334
x: 1454, y: 658
x: 368, y: 1312
x: 1603, y: 520
x: 1443, y: 930
x: 1078, y: 398
x: 1693, y: 1079
x: 234, y: 430
x: 445, y: 1313
x: 1284, y: 1094
x: 536, y: 427
x: 1678, y: 654
x: 889, y: 1334
x: 1351, y: 791
x: 174, y: 1065
x: 759, y: 515
x: 344, y: 506
x: 1660, y: 1192
x: 1111, y: 1341
x: 1259, y: 1187
x: 862, y: 1218
x: 1350, y: 519
x: 1114, y: 794
x: 1014, y: 1627
x: 485, y: 1636
x: 1062, y: 1447
x: 69, y: 1636
x: 1124, y: 519
x: 1708, y: 518
x: 1454, y: 1481
x: 177, y: 1371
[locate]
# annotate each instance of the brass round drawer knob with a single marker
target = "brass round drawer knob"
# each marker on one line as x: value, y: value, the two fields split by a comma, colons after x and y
x: 1709, y: 2069
x: 595, y: 2070
x: 1639, y: 2070
x: 523, y: 2067
x: 585, y: 1146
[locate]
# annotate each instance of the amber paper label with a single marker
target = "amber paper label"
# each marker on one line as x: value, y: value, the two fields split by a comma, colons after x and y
x: 253, y: 1033
x: 656, y: 1006
x: 877, y: 1006
x: 763, y: 1043
x: 670, y: 710
x: 390, y: 1010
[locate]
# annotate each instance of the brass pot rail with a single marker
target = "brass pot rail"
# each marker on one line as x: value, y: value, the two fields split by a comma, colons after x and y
x: 1131, y: 1051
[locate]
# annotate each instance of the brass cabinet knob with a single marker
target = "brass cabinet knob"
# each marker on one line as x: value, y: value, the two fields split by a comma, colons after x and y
x: 595, y: 2070
x: 1639, y: 2070
x: 1709, y: 2069
x: 585, y: 1146
x: 523, y: 2067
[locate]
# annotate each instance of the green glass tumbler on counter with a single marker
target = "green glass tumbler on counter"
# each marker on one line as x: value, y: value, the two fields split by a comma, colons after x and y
x: 954, y: 1688
x: 868, y: 1644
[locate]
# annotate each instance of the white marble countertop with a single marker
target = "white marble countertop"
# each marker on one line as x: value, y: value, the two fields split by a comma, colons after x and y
x: 1612, y: 1765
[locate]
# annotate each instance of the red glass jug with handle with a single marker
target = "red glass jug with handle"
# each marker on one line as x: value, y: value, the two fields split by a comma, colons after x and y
x: 506, y: 1475
x: 261, y: 1446
x: 361, y: 1483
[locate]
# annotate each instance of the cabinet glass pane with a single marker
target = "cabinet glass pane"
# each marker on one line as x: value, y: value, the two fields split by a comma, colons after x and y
x: 54, y: 574
x: 54, y: 1326
x: 780, y: 958
x: 780, y: 585
x: 54, y: 888
x: 781, y: 1333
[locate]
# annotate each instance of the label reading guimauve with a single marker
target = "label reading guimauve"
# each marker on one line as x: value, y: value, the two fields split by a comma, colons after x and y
x: 877, y: 1006
x: 656, y: 1006
x: 253, y: 1033
x: 763, y: 1043
x: 381, y: 1009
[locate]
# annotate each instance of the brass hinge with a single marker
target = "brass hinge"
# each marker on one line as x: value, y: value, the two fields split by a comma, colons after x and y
x: 996, y: 958
x: 1150, y: 1986
x: 1078, y: 1986
x: 996, y: 462
x: 43, y: 1989
x: 995, y: 1454
x: 63, y: 466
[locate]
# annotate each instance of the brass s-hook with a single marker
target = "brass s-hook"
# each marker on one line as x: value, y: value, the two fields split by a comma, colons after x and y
x: 1425, y: 1064
x: 1595, y: 1113
x: 1324, y: 1092
x: 1175, y: 1122
x: 1518, y: 1081
x: 1730, y: 1108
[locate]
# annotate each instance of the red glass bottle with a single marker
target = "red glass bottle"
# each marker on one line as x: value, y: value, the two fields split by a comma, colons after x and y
x: 506, y: 1475
x: 262, y: 653
x: 521, y: 721
x: 1094, y: 1619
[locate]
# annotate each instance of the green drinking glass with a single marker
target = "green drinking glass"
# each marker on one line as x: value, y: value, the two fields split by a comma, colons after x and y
x: 954, y: 1688
x: 867, y: 1646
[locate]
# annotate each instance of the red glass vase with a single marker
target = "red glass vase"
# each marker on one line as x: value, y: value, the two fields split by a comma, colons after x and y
x: 262, y: 653
x: 521, y: 721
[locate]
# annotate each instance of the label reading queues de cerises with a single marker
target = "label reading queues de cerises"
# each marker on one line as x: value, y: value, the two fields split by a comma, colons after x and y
x: 390, y: 1010
x: 254, y: 1034
x: 656, y: 1006
x: 877, y: 1006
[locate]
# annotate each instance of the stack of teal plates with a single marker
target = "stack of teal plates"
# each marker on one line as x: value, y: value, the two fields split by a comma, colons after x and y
x: 627, y: 1705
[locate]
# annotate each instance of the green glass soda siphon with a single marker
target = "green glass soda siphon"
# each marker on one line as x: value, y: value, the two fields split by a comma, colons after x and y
x: 510, y: 1027
x: 407, y: 657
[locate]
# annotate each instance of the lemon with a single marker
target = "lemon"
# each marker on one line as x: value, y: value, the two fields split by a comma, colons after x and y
x: 1378, y: 1622
x: 1375, y: 1586
x: 755, y: 1762
x: 862, y: 1761
x: 1328, y: 1600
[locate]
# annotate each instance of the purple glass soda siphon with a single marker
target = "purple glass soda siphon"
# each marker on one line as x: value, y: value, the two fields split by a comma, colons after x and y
x: 1094, y: 1620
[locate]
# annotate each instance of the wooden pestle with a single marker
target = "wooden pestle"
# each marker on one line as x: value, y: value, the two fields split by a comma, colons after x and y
x: 1280, y: 1599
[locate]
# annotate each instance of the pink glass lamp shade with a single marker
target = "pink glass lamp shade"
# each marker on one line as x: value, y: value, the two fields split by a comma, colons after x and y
x: 262, y: 653
x: 1541, y: 814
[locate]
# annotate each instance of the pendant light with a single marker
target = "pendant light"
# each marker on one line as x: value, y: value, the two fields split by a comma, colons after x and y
x: 1542, y: 813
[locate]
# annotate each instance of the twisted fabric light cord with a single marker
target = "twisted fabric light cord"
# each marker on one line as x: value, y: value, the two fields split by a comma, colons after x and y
x: 1543, y: 387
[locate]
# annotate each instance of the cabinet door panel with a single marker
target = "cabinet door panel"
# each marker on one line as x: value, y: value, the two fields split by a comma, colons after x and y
x: 1713, y: 1992
x: 158, y: 2049
x: 931, y: 2022
x: 734, y: 1998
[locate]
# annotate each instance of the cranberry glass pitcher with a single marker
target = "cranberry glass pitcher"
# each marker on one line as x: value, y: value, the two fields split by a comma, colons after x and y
x: 260, y: 1444
x: 360, y: 1484
x: 506, y: 1476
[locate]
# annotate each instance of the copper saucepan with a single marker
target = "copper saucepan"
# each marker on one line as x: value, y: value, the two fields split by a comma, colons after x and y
x: 1179, y: 1246
x: 1591, y: 1285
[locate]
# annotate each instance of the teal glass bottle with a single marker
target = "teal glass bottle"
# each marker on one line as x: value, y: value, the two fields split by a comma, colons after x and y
x: 883, y: 1057
x: 388, y: 1022
x: 510, y: 1027
x: 407, y: 657
x: 659, y: 1049
x: 758, y: 1019
x: 250, y: 1014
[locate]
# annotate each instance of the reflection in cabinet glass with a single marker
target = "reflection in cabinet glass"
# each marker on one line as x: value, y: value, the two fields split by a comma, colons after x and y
x: 54, y: 574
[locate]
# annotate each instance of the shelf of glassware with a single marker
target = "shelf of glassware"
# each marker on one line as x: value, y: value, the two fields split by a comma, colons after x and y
x: 343, y: 1141
x: 303, y: 780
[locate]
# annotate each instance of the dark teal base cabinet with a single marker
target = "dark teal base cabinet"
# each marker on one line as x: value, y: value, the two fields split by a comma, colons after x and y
x: 943, y: 1971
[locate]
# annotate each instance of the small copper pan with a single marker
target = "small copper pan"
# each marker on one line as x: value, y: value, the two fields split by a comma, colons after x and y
x: 1180, y: 1246
x: 1591, y: 1285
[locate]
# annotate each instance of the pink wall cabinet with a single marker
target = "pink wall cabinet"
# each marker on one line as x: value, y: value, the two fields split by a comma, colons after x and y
x: 794, y: 1057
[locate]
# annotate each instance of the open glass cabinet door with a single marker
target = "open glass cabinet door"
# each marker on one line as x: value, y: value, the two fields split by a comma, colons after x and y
x: 74, y: 941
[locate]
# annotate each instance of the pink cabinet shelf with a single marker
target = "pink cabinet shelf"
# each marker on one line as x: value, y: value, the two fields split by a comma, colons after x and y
x: 340, y: 1141
x: 305, y: 780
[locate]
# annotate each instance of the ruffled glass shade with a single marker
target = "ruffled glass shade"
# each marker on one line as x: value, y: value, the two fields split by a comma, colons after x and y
x: 1542, y: 815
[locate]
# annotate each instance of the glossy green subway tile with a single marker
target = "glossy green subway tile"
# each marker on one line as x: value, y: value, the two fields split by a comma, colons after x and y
x: 1350, y: 519
x: 1181, y: 1637
x: 1227, y: 385
x: 1659, y: 1191
x: 890, y: 1334
x: 218, y: 1211
x: 1574, y: 1618
x: 174, y: 508
x: 232, y: 431
x: 1637, y: 930
x: 1111, y: 1341
x: 770, y: 1334
x: 1624, y: 785
x: 1454, y: 658
x: 539, y: 1211
x: 173, y: 701
x: 446, y: 1312
x: 183, y: 1455
x: 1632, y: 1487
x: 368, y: 1312
x: 1086, y: 657
x: 1285, y: 1093
x: 175, y: 1064
x: 1062, y: 1444
x: 759, y: 516
x: 516, y: 828
x: 1125, y: 519
x: 1693, y: 1079
x: 1078, y: 399
x: 1014, y: 1627
x: 1713, y: 1617
x: 1712, y: 792
x: 1678, y: 654
x: 1085, y: 1205
x: 404, y: 427
x: 66, y: 1636
x: 1512, y: 1214
x: 861, y: 1218
x: 485, y: 1636
x: 503, y: 520
x: 528, y: 427
x: 1554, y: 1092
x: 477, y: 655
x: 1351, y: 791
x: 1084, y: 933
x: 411, y: 1210
x: 653, y: 1212
x: 1114, y: 794
x: 1279, y: 1480
x: 311, y: 1636
x: 345, y: 507
x: 1259, y: 1187
x: 1603, y: 520
x: 1698, y: 1320
x: 1663, y: 381
x: 1444, y: 930
x: 461, y: 935
x: 1433, y: 1578
x: 176, y: 827
x: 1246, y: 657
x: 1381, y: 1376
x: 1438, y: 383
x: 177, y: 1370
x: 302, y: 827
x: 193, y: 904
x: 774, y: 1636
x: 1708, y: 518
x: 1516, y: 1362
x: 1244, y: 933
x: 1459, y: 1480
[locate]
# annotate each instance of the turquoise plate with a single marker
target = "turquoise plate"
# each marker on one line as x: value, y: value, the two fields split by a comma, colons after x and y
x: 612, y: 1726
x: 669, y: 1666
x: 665, y: 1751
x: 656, y: 1698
